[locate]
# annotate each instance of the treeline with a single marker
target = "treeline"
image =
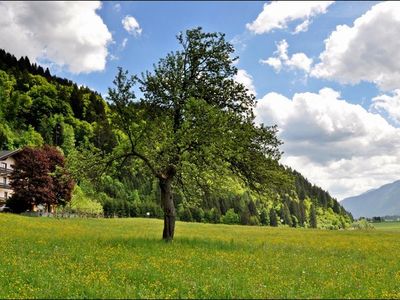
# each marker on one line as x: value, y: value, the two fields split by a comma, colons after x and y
x: 135, y: 199
x: 37, y: 108
x: 11, y: 64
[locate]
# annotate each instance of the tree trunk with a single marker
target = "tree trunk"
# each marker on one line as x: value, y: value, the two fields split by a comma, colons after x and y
x: 167, y: 203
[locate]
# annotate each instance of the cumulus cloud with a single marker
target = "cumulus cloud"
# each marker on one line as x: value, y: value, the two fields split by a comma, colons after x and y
x: 246, y: 79
x: 366, y: 51
x: 131, y: 25
x: 337, y: 145
x: 278, y: 14
x: 274, y: 62
x: 69, y: 34
x: 296, y: 61
x: 389, y: 104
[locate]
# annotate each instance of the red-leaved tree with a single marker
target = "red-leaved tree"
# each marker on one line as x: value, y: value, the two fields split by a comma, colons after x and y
x: 39, y: 177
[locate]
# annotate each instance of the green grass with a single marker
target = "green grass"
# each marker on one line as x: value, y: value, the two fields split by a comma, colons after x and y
x: 125, y: 258
x: 392, y: 226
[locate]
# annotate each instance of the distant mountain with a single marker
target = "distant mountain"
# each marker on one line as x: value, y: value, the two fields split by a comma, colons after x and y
x: 383, y: 201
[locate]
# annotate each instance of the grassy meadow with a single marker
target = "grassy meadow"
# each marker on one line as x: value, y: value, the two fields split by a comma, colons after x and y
x: 125, y: 258
x: 392, y: 226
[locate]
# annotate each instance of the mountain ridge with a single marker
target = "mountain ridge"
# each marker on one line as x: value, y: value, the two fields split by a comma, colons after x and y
x: 381, y: 201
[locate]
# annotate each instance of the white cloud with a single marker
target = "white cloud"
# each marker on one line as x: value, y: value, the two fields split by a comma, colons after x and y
x: 302, y: 27
x: 113, y: 57
x: 366, y: 51
x: 389, y: 104
x: 117, y: 7
x: 300, y: 61
x: 277, y: 15
x: 239, y: 41
x: 246, y: 79
x: 68, y: 34
x: 274, y: 62
x: 131, y: 25
x: 297, y: 61
x: 124, y: 42
x: 337, y: 145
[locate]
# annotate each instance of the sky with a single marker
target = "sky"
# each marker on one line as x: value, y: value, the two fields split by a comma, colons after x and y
x: 327, y: 73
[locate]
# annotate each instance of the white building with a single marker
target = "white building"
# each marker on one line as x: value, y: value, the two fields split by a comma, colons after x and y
x: 6, y: 165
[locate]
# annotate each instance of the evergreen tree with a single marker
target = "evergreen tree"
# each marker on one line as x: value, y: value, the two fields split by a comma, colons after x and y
x: 273, y: 218
x: 264, y: 217
x: 313, y: 217
x: 285, y: 215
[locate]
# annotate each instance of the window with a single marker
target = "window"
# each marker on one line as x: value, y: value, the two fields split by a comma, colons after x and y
x: 6, y: 195
x: 5, y: 180
x: 3, y: 165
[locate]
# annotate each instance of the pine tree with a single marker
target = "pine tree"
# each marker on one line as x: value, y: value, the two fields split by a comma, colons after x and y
x: 313, y: 217
x: 285, y: 215
x: 273, y: 218
x: 264, y: 217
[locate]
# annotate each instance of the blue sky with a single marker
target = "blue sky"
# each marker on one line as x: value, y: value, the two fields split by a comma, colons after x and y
x: 162, y: 20
x: 327, y: 73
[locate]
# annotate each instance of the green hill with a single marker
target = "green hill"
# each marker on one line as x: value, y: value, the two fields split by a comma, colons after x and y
x: 37, y: 108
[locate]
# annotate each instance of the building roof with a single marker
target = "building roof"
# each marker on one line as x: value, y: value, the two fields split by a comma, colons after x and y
x: 4, y: 154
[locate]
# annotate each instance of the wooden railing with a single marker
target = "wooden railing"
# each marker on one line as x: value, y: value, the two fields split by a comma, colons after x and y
x: 5, y: 170
x: 5, y: 185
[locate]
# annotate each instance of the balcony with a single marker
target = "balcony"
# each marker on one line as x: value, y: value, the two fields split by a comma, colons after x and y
x: 4, y: 185
x: 5, y: 171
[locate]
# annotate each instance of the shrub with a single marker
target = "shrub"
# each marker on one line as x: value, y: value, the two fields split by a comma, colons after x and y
x: 230, y: 217
x: 83, y: 205
x: 197, y: 214
x: 254, y: 220
x: 212, y: 216
x: 362, y: 225
x: 184, y: 214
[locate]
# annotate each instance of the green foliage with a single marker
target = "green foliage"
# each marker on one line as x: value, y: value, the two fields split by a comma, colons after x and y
x: 362, y: 225
x: 230, y: 217
x: 328, y: 219
x: 273, y: 218
x: 185, y: 214
x: 213, y: 215
x: 211, y: 141
x: 82, y: 204
x: 313, y: 217
x: 30, y: 138
x: 195, y: 125
x: 264, y: 217
x: 285, y: 215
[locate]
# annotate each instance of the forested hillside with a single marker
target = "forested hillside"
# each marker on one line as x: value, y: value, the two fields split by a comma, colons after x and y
x: 37, y: 108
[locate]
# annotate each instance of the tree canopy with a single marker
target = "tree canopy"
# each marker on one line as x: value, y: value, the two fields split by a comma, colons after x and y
x: 39, y: 178
x: 194, y: 118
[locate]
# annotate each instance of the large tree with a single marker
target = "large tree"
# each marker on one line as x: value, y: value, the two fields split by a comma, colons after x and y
x: 39, y: 177
x: 194, y: 124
